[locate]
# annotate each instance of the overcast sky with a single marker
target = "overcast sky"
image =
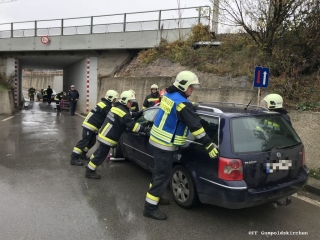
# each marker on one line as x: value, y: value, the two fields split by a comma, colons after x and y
x: 26, y: 10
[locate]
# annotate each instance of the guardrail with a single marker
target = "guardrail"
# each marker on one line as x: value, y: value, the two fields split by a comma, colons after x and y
x: 161, y: 19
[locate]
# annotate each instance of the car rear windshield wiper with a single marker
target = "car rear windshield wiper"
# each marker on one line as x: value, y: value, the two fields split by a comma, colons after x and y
x: 283, y: 147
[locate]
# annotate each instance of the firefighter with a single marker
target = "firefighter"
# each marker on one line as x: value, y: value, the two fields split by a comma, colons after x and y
x: 31, y: 93
x: 171, y: 127
x: 49, y: 93
x: 151, y: 98
x: 162, y: 92
x: 274, y: 102
x: 91, y: 126
x: 58, y: 98
x: 135, y: 105
x: 117, y: 120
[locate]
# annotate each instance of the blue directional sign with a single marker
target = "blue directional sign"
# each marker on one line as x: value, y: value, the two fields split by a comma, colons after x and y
x: 261, y: 77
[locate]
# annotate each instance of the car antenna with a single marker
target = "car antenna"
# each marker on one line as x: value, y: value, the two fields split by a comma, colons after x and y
x: 245, y: 109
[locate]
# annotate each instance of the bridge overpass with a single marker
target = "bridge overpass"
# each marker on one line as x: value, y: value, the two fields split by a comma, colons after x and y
x: 87, y: 47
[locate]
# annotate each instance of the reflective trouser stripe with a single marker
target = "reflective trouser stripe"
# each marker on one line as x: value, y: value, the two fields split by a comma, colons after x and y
x: 91, y: 165
x: 77, y: 150
x: 150, y: 185
x: 152, y: 199
x: 86, y: 149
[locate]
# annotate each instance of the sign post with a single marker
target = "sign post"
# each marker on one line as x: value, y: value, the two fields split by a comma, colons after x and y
x: 261, y: 79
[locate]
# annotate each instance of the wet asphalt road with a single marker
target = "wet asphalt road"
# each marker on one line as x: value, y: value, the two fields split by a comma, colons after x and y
x: 43, y: 197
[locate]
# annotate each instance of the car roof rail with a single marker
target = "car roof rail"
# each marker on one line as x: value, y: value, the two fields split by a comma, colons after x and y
x: 209, y: 109
x: 232, y: 104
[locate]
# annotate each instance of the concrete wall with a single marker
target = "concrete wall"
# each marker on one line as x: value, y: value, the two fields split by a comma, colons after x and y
x: 42, y: 81
x: 141, y: 85
x: 3, y: 65
x: 7, y: 102
x: 76, y: 74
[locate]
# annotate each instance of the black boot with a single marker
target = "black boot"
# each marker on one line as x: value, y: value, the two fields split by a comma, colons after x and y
x: 164, y: 201
x: 92, y: 174
x: 156, y: 214
x: 76, y: 162
x: 84, y: 156
x: 152, y: 211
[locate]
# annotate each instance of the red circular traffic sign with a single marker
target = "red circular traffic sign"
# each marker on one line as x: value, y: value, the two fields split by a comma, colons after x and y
x: 45, y: 39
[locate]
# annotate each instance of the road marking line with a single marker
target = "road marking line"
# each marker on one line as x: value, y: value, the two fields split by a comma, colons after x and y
x: 306, y: 199
x: 7, y: 118
x: 79, y: 115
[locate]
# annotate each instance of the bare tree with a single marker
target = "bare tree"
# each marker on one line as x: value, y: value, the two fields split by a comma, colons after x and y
x: 265, y: 20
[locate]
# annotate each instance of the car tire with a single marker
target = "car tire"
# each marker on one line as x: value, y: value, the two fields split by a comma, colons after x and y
x: 182, y: 187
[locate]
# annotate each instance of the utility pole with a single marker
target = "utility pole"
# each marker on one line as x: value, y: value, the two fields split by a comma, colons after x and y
x: 215, y: 16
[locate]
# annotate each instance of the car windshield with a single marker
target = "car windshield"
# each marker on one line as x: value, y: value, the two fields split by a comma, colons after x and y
x: 261, y: 134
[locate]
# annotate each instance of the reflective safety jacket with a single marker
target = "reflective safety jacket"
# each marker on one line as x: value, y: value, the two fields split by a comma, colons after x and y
x: 31, y: 90
x: 97, y: 115
x: 117, y: 120
x: 151, y: 100
x: 173, y: 121
x: 134, y: 107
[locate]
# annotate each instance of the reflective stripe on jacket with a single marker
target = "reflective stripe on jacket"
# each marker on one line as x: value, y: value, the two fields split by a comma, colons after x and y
x: 97, y: 115
x: 167, y: 129
x: 117, y: 120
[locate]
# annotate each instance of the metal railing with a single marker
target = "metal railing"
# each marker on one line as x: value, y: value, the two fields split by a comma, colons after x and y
x: 161, y: 19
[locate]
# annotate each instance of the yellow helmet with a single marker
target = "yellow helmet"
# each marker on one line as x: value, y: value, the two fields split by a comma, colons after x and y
x: 272, y: 101
x: 127, y: 96
x: 111, y: 95
x: 154, y: 86
x: 184, y: 79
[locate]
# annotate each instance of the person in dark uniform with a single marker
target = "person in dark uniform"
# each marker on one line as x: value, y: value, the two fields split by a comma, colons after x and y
x: 171, y: 127
x: 31, y: 93
x: 57, y: 99
x: 152, y: 98
x: 118, y: 119
x: 274, y: 102
x: 91, y: 126
x: 49, y: 93
x: 73, y: 95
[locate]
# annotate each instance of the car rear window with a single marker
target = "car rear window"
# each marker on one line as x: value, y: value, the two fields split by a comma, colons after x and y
x: 261, y: 133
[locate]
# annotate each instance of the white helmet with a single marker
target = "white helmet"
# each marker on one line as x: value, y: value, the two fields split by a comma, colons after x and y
x: 132, y: 91
x: 127, y: 96
x: 272, y: 101
x: 111, y: 95
x: 184, y: 79
x: 154, y: 86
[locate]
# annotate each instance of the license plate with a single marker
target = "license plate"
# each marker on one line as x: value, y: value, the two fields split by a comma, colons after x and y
x: 277, y: 166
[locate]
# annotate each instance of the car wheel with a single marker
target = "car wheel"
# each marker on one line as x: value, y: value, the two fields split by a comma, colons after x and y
x: 182, y: 187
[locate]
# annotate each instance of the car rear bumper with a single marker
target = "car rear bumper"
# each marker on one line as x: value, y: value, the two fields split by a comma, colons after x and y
x: 244, y: 198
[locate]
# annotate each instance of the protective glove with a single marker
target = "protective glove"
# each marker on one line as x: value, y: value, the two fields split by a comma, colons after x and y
x: 212, y: 150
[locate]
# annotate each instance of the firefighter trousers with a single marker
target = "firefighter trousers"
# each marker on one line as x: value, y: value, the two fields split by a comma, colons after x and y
x: 88, y: 141
x: 160, y: 178
x: 99, y: 156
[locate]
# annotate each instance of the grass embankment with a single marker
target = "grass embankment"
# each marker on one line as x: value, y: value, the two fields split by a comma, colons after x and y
x: 4, y: 84
x: 238, y: 55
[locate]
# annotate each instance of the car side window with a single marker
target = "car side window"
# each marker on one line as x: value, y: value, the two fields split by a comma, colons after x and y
x: 148, y: 117
x: 211, y: 127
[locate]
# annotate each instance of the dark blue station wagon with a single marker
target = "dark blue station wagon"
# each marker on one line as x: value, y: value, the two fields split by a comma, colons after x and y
x: 261, y: 158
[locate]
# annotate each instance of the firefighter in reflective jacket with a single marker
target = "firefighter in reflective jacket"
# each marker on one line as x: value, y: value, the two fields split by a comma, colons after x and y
x: 91, y: 126
x: 58, y: 98
x: 117, y: 120
x: 150, y: 100
x: 175, y: 118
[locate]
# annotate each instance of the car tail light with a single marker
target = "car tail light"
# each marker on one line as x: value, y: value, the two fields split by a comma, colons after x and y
x: 230, y: 169
x: 303, y: 157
